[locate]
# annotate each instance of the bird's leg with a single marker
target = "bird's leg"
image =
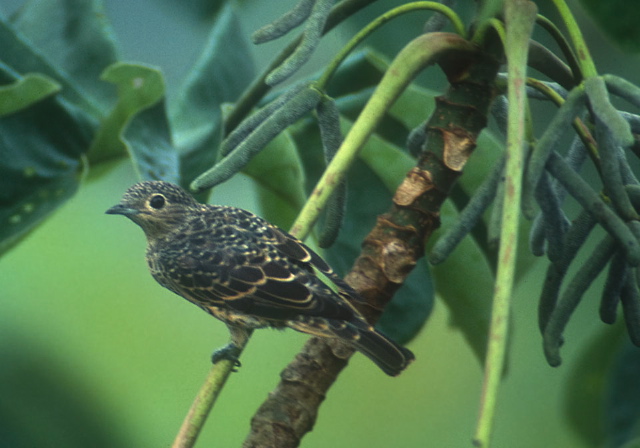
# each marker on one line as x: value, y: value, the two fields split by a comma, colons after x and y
x: 231, y: 351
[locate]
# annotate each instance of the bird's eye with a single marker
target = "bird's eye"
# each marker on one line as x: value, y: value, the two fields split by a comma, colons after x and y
x: 157, y: 202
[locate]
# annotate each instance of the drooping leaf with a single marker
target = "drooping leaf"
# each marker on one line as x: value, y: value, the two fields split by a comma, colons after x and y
x: 278, y: 172
x: 139, y: 114
x: 219, y: 75
x: 149, y: 140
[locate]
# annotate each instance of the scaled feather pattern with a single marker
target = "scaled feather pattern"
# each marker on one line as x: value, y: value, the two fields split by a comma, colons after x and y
x: 249, y: 273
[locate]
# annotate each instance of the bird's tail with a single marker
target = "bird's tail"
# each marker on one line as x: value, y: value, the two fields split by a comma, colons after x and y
x: 389, y: 356
x: 392, y: 358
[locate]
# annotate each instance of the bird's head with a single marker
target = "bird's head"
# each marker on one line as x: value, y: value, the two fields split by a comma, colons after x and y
x: 158, y: 207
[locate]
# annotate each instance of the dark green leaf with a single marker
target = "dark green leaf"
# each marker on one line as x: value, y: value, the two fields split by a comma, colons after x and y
x: 22, y: 57
x: 619, y: 20
x: 622, y: 398
x: 75, y: 37
x: 410, y: 307
x: 469, y: 308
x: 219, y: 75
x: 585, y: 395
x: 359, y: 71
x: 149, y: 141
x: 41, y: 162
x: 49, y: 407
x: 277, y: 169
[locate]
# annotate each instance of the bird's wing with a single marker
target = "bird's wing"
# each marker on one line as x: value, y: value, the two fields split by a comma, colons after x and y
x: 264, y: 273
x: 293, y: 248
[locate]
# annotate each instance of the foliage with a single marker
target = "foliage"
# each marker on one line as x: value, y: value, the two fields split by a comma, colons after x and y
x: 376, y: 149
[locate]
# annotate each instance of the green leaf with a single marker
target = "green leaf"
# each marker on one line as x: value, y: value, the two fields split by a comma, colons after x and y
x: 619, y: 20
x: 22, y: 57
x: 622, y: 398
x: 586, y: 392
x: 41, y: 162
x: 134, y: 126
x: 277, y: 169
x: 149, y: 141
x: 469, y: 307
x: 360, y: 71
x: 75, y: 37
x: 219, y: 75
x: 410, y: 307
x: 25, y: 91
x: 53, y: 406
x: 388, y: 162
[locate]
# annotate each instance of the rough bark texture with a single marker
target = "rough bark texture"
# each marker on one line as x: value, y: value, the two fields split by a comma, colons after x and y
x: 389, y: 252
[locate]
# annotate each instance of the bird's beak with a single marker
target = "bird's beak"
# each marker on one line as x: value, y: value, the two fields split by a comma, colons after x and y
x: 120, y: 209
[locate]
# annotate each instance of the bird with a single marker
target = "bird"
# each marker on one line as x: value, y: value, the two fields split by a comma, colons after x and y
x: 249, y: 273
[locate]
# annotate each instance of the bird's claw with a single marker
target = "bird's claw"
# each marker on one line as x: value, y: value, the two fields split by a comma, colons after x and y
x: 228, y: 352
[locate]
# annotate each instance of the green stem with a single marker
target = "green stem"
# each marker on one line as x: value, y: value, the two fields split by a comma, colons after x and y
x: 201, y: 406
x: 258, y: 88
x: 520, y: 16
x: 377, y: 23
x: 211, y: 388
x: 419, y: 53
x: 587, y: 66
x: 569, y: 55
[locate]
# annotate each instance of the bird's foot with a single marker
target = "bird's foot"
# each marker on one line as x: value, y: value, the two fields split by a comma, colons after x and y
x: 229, y: 352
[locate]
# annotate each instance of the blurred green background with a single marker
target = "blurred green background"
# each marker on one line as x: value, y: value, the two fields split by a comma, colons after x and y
x: 94, y: 353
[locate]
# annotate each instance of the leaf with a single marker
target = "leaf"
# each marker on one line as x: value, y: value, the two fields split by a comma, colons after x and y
x: 585, y: 395
x: 22, y: 57
x: 41, y: 162
x: 75, y: 37
x: 619, y: 20
x: 388, y: 162
x: 149, y: 141
x: 360, y: 71
x: 139, y: 88
x: 219, y: 75
x: 25, y: 91
x: 53, y: 406
x: 277, y: 169
x: 622, y: 398
x: 410, y: 307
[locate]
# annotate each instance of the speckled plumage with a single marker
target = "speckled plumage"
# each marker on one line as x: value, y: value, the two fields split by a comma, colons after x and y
x: 248, y: 273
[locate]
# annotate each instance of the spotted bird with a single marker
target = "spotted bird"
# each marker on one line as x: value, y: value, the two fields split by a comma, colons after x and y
x: 248, y: 273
